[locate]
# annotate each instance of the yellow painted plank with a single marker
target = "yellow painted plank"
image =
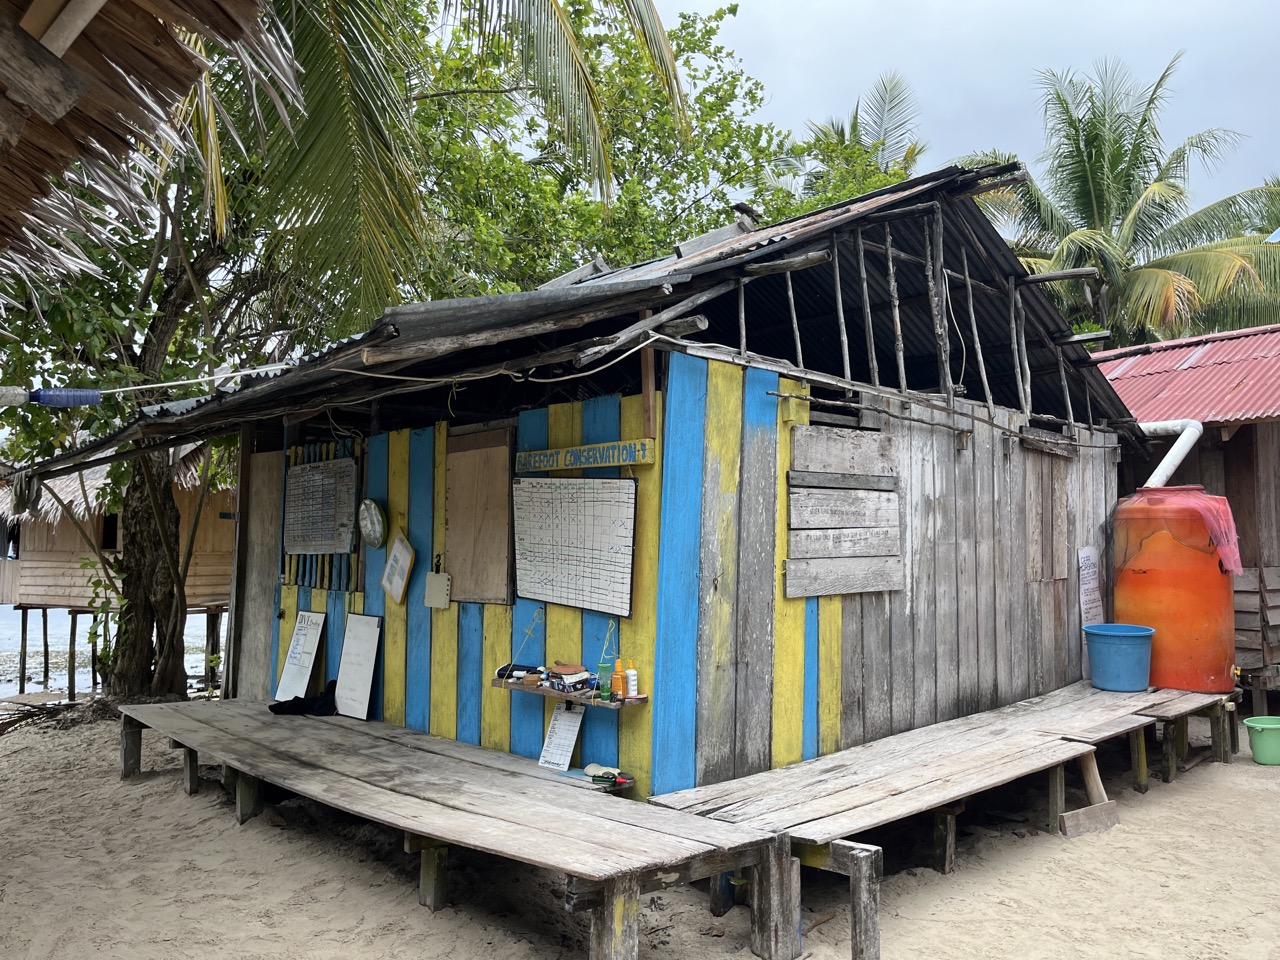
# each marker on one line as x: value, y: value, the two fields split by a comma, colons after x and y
x: 319, y: 604
x: 288, y: 604
x: 830, y: 626
x: 395, y: 627
x: 789, y: 614
x: 444, y: 623
x: 495, y: 704
x: 635, y: 725
x: 355, y: 603
x: 293, y: 456
x: 564, y: 624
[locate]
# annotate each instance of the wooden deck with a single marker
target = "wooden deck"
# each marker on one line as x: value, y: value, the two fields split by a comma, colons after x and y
x: 442, y: 793
x: 820, y: 802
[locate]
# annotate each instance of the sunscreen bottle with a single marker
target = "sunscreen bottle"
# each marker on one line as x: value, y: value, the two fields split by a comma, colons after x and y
x: 618, y: 682
x: 633, y: 679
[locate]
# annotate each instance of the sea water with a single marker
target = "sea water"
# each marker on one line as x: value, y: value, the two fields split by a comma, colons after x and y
x: 59, y: 643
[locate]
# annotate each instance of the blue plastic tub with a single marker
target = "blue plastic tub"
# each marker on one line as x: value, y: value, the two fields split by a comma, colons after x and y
x: 1119, y: 656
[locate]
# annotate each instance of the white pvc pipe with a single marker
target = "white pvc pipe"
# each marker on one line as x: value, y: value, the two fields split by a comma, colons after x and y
x: 1187, y: 432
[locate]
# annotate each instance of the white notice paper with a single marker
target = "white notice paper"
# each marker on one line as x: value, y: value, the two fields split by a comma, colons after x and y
x: 302, y: 656
x: 355, y: 673
x: 1091, y: 609
x: 562, y: 734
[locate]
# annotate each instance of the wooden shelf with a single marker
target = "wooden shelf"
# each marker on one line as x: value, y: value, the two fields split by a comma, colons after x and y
x: 587, y: 699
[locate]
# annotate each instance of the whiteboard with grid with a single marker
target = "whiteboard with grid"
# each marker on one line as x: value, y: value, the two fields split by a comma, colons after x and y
x: 575, y: 538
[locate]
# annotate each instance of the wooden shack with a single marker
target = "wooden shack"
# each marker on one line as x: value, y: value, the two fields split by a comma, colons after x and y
x: 865, y: 452
x: 1230, y: 383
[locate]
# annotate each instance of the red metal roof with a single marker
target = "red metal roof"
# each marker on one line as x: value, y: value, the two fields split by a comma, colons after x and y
x: 1216, y: 378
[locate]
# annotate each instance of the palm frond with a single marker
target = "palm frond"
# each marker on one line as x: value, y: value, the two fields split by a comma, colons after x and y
x: 890, y: 115
x: 1156, y: 302
x: 1220, y: 220
x: 1215, y: 273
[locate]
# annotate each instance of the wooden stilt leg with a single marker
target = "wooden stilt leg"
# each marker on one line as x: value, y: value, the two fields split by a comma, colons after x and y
x: 1183, y: 737
x: 1170, y: 753
x: 71, y: 659
x: 615, y: 924
x: 865, y: 867
x: 1138, y: 757
x: 1217, y: 733
x: 944, y: 837
x: 721, y: 901
x: 130, y: 746
x: 775, y: 903
x: 22, y: 653
x: 433, y: 870
x: 190, y: 771
x: 1057, y: 797
x: 1233, y: 730
x: 1092, y: 779
x: 248, y: 797
x: 229, y: 775
x: 1258, y: 688
x: 44, y: 626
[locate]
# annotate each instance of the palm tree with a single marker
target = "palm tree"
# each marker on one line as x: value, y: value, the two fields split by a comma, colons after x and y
x: 884, y: 122
x: 1112, y: 197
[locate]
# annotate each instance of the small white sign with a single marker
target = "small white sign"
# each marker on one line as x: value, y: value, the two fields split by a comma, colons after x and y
x: 562, y: 734
x: 1091, y: 608
x: 355, y: 672
x: 302, y: 655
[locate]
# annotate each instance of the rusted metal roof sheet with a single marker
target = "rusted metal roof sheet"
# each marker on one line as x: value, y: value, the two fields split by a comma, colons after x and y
x: 1231, y: 377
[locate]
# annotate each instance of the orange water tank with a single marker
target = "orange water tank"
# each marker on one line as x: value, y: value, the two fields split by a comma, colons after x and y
x: 1174, y: 551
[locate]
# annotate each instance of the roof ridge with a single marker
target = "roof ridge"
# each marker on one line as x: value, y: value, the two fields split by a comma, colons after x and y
x: 1119, y: 353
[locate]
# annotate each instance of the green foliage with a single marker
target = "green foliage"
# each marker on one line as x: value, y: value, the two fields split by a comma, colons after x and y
x: 1113, y: 197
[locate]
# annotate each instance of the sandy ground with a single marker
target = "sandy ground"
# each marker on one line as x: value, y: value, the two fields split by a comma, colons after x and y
x: 93, y: 867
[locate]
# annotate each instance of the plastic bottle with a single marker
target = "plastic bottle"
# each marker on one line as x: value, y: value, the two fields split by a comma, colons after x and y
x: 633, y: 679
x: 618, y: 682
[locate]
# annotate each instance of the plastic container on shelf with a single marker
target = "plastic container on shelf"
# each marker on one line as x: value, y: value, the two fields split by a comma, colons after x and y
x: 1174, y: 552
x: 1119, y: 656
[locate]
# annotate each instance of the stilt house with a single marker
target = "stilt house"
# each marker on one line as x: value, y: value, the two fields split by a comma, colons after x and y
x: 864, y: 448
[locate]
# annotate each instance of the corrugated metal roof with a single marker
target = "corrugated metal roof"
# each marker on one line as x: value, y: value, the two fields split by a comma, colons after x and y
x: 1231, y: 377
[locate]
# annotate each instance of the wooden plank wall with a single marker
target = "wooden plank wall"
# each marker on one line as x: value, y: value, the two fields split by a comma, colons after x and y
x: 742, y: 677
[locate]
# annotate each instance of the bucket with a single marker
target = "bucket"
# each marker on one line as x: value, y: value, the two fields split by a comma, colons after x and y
x: 1264, y: 739
x: 1119, y: 656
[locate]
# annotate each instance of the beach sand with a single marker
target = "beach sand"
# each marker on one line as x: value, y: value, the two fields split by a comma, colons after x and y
x: 98, y: 868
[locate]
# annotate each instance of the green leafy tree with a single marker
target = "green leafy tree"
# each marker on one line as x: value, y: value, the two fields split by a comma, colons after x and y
x: 1112, y: 196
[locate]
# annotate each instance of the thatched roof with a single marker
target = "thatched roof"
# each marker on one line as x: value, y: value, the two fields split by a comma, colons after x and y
x: 84, y: 82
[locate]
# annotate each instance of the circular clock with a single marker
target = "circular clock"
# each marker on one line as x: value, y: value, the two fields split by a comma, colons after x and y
x: 373, y: 523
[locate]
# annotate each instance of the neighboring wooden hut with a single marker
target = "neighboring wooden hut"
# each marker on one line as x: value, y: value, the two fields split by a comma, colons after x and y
x: 1230, y: 383
x: 865, y: 452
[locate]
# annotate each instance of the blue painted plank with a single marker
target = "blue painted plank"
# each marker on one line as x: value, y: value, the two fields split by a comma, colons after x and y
x: 601, y: 422
x: 335, y: 631
x: 809, y: 738
x: 375, y: 486
x: 675, y: 668
x: 422, y: 455
x: 528, y: 620
x: 471, y: 682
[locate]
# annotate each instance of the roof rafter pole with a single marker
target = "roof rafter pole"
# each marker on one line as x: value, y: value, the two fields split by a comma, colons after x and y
x: 795, y: 323
x: 866, y: 313
x: 742, y: 317
x: 898, y: 350
x: 1013, y: 345
x: 835, y: 279
x: 641, y: 327
x: 1025, y: 360
x: 977, y: 343
x: 1066, y: 393
x: 932, y: 262
x: 1088, y: 403
x: 951, y: 275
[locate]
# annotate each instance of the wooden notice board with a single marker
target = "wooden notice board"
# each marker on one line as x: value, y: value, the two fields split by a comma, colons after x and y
x: 575, y: 538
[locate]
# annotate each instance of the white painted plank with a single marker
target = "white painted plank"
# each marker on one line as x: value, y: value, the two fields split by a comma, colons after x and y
x: 837, y: 450
x: 828, y: 576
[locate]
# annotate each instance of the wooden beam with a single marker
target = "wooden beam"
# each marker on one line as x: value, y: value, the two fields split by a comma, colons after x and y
x: 1138, y: 759
x: 1102, y: 816
x: 1057, y: 797
x: 899, y: 351
x: 844, y: 333
x: 944, y: 837
x: 190, y: 771
x: 802, y: 261
x: 40, y: 16
x: 1097, y: 336
x: 70, y: 24
x: 1075, y: 273
x: 866, y: 313
x: 34, y: 75
x: 130, y: 746
x: 865, y: 866
x: 775, y: 903
x: 646, y: 324
x: 615, y: 924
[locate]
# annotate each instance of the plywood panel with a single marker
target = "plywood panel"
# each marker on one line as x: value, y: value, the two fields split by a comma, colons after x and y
x: 839, y: 450
x: 478, y: 517
x: 260, y: 513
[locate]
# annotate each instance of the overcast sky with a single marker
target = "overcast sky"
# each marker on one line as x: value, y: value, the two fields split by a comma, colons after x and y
x: 973, y: 66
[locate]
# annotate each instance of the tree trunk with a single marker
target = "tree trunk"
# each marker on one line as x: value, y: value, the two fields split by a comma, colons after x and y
x: 149, y: 647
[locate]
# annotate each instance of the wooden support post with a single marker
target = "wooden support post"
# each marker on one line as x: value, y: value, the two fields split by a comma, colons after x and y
x: 94, y: 631
x: 1182, y: 733
x: 44, y: 633
x: 1066, y: 393
x: 1170, y: 753
x: 615, y: 924
x: 775, y: 903
x: 1013, y: 346
x: 944, y: 837
x: 1138, y: 759
x: 938, y: 300
x: 1233, y: 730
x: 649, y: 390
x: 1258, y: 691
x: 190, y: 771
x: 722, y: 894
x: 433, y: 870
x: 1093, y: 787
x: 865, y: 868
x: 795, y: 322
x: 248, y: 797
x: 71, y: 659
x: 1057, y: 797
x: 899, y: 351
x: 977, y: 341
x: 1024, y: 360
x: 212, y: 643
x: 835, y: 279
x: 742, y: 317
x: 866, y: 314
x: 229, y: 777
x: 130, y: 746
x: 22, y: 652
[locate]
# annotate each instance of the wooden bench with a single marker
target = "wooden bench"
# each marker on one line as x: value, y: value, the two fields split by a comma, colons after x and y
x: 821, y: 802
x: 443, y: 793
